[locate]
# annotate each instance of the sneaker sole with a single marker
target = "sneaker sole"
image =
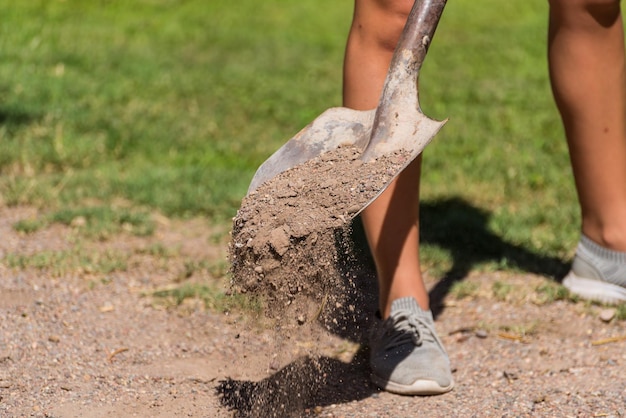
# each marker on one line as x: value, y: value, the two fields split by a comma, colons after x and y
x: 419, y: 387
x: 595, y: 289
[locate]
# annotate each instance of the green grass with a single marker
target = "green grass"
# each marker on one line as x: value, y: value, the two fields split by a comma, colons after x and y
x: 551, y: 292
x: 211, y: 296
x: 98, y: 222
x: 464, y: 289
x: 64, y: 262
x: 501, y: 290
x: 172, y: 105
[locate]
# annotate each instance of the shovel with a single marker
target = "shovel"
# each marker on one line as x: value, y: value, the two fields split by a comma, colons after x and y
x: 397, y: 124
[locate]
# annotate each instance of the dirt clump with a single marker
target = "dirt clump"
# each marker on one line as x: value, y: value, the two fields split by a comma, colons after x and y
x: 291, y: 237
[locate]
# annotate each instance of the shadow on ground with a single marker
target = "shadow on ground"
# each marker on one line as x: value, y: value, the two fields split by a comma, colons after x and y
x: 462, y: 230
x: 300, y: 386
x: 452, y: 224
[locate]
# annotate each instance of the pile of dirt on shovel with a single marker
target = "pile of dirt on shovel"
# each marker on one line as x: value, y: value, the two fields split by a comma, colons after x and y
x: 291, y: 240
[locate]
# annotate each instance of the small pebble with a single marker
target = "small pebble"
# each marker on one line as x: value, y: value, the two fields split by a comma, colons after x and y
x: 107, y: 307
x: 606, y: 315
x: 481, y: 333
x: 354, y: 209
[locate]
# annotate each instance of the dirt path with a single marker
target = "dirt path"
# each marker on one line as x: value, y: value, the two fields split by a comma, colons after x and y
x: 79, y: 343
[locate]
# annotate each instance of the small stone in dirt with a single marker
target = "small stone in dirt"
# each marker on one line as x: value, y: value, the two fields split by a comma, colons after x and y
x: 279, y: 240
x: 509, y: 375
x: 354, y: 209
x: 481, y: 333
x: 606, y: 315
x: 286, y: 193
x: 107, y: 307
x: 301, y: 319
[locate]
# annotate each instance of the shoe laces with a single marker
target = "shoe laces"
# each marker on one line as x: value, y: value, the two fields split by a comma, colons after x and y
x: 406, y: 327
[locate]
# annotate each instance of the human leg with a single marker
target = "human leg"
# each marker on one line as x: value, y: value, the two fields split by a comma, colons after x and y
x: 588, y: 74
x: 406, y: 355
x: 391, y: 222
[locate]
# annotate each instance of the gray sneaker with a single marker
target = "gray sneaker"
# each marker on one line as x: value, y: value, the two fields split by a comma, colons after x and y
x: 406, y: 356
x: 597, y: 273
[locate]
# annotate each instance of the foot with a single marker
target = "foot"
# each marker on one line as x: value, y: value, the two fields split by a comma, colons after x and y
x: 406, y: 356
x: 597, y: 273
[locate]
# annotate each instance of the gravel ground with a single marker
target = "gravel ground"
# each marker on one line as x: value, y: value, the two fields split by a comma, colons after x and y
x: 76, y: 343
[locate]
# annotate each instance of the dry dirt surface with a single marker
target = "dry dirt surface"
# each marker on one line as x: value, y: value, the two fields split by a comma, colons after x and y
x: 78, y: 343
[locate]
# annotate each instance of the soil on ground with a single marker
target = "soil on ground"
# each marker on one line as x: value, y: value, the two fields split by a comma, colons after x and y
x: 80, y: 342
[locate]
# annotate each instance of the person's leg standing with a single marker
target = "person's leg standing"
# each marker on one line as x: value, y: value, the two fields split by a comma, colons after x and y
x: 588, y: 74
x: 406, y: 354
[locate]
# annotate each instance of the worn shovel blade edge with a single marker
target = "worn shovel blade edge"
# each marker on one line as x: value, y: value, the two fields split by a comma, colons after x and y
x: 425, y: 135
x: 335, y: 127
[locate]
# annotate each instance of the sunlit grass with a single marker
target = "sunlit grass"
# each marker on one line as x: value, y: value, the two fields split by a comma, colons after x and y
x: 99, y: 222
x: 64, y: 262
x: 172, y: 106
x: 212, y: 298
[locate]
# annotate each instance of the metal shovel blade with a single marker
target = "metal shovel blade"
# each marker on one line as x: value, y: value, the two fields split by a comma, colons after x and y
x: 397, y: 124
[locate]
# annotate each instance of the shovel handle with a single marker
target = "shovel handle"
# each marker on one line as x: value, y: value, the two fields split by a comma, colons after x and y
x: 399, y: 100
x: 418, y: 32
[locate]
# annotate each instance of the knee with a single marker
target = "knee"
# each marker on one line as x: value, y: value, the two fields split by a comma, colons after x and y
x: 605, y: 12
x: 381, y: 21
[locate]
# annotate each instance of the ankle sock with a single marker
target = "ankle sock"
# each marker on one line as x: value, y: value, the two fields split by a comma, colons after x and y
x: 594, y: 261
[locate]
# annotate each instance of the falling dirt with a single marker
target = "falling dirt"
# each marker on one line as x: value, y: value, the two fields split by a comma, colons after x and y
x: 293, y: 247
x: 291, y: 239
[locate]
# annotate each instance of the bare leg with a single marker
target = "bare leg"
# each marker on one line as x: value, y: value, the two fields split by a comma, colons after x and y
x: 587, y: 68
x: 391, y: 222
x: 398, y: 363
